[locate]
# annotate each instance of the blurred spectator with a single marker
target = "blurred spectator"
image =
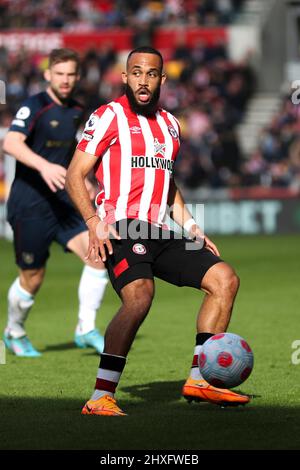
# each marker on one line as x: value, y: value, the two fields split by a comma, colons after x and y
x: 209, y: 98
x: 204, y: 89
x: 276, y: 163
x: 86, y: 15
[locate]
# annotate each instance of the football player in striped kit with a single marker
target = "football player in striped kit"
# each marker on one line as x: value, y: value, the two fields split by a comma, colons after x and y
x: 132, y: 144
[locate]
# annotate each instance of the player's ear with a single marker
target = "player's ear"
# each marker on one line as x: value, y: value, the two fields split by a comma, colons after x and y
x: 124, y: 77
x: 163, y: 78
x: 47, y: 75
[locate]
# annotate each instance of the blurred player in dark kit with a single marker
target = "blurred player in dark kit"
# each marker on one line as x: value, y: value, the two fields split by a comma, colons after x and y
x: 42, y: 138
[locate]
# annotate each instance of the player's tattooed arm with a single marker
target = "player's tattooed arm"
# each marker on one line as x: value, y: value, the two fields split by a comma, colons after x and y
x: 99, y: 231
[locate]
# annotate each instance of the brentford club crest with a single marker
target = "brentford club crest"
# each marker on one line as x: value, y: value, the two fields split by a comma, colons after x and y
x: 173, y: 132
x: 139, y: 249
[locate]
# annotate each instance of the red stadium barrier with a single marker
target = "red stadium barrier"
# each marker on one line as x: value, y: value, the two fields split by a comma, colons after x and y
x: 119, y: 38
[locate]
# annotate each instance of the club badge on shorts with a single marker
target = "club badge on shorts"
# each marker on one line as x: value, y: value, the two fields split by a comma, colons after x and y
x: 28, y: 258
x: 139, y: 249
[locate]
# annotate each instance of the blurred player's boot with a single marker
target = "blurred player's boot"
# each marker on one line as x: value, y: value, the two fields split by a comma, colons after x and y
x: 200, y: 390
x: 92, y: 339
x: 20, y: 346
x: 90, y: 292
x: 20, y: 302
x: 105, y: 406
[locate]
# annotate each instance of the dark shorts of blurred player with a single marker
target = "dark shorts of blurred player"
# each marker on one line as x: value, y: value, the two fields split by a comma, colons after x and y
x: 146, y: 251
x: 36, y: 229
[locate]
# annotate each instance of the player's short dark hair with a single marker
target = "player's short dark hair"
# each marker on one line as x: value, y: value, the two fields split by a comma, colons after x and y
x: 146, y: 50
x: 57, y: 56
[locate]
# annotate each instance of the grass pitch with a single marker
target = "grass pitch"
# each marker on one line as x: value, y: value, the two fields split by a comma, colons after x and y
x: 41, y: 398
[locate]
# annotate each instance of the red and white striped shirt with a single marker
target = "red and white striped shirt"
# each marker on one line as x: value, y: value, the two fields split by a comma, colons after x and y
x: 137, y: 157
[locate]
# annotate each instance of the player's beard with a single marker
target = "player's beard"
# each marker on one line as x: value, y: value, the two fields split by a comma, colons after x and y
x: 147, y: 109
x: 63, y: 99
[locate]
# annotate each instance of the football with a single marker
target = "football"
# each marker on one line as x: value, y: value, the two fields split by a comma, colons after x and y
x: 226, y: 360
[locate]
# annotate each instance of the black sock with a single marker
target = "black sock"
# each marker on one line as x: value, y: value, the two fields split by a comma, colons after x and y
x: 202, y: 337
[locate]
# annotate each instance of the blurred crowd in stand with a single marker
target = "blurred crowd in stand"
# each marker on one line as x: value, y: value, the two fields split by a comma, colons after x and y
x: 208, y: 94
x: 91, y: 15
x: 205, y: 90
x: 276, y: 162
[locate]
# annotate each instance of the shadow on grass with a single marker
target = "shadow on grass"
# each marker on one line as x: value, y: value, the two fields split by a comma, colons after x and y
x: 69, y: 346
x: 163, y: 392
x: 72, y: 345
x: 158, y: 418
x: 59, y: 347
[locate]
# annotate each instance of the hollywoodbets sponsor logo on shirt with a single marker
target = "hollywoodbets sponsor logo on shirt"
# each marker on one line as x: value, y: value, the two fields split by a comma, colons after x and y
x: 158, y: 163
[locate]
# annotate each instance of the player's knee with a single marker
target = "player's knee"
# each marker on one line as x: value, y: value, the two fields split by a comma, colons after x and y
x: 222, y: 281
x: 229, y: 282
x: 138, y: 297
x: 32, y: 279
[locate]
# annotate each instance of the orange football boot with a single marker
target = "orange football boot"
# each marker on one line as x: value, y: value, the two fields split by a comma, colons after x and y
x: 200, y: 390
x: 104, y: 406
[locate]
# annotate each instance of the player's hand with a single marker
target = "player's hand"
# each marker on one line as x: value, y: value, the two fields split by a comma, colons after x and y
x: 198, y: 236
x: 54, y: 175
x: 99, y: 238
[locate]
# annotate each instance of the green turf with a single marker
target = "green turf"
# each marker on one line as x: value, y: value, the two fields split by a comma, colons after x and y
x: 41, y: 398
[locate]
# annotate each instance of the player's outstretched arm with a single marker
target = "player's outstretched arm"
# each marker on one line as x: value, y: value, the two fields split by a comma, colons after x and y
x: 99, y: 232
x: 182, y: 216
x: 54, y: 175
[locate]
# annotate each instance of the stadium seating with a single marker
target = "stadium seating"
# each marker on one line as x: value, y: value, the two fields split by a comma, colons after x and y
x: 205, y: 90
x: 87, y: 15
x: 276, y: 162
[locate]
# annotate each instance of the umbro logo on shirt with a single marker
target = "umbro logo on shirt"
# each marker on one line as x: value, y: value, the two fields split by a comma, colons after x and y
x: 135, y: 130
